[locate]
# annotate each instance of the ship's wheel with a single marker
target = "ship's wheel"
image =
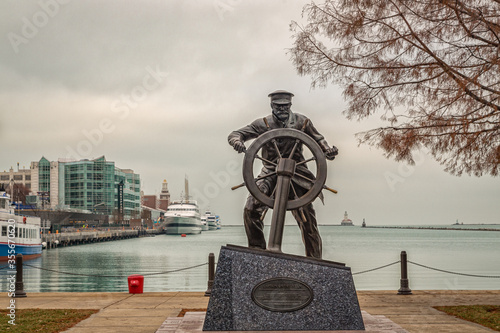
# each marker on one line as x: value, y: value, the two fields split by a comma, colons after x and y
x: 284, y: 169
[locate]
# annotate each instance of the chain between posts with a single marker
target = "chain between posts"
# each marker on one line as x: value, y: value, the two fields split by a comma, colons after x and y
x: 377, y: 268
x: 115, y: 276
x: 186, y: 268
x: 456, y: 273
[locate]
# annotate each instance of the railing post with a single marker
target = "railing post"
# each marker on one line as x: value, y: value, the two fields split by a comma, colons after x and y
x: 404, y: 285
x: 211, y: 273
x: 19, y: 277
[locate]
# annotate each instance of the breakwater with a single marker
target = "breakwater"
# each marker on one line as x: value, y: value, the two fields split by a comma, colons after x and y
x: 433, y: 228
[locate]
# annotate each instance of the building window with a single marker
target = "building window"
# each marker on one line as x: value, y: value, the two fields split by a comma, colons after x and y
x: 27, y: 177
x: 18, y: 177
x: 44, y: 175
x: 4, y: 177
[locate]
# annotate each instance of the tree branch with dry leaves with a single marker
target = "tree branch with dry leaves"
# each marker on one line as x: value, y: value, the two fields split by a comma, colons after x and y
x: 433, y: 64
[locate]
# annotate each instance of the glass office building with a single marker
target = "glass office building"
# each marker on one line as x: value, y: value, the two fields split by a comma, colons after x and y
x: 128, y: 194
x: 88, y: 185
x: 96, y: 186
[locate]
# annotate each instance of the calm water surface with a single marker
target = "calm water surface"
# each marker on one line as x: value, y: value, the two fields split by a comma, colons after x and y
x: 469, y: 252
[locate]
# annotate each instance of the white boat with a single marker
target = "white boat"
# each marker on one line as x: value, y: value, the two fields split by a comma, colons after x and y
x: 183, y: 216
x: 18, y: 233
x: 211, y: 220
x: 218, y: 221
x: 204, y: 225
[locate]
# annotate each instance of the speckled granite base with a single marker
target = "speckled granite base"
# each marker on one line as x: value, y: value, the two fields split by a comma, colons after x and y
x: 239, y: 269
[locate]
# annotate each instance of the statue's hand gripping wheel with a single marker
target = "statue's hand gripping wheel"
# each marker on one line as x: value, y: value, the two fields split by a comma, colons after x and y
x: 284, y: 171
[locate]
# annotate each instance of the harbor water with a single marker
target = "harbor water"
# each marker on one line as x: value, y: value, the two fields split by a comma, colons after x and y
x: 181, y: 261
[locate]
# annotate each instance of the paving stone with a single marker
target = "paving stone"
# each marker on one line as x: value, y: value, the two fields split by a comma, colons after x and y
x: 413, y: 313
x: 193, y: 323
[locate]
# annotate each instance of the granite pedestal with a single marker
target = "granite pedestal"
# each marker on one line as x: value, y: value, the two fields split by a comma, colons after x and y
x: 257, y: 290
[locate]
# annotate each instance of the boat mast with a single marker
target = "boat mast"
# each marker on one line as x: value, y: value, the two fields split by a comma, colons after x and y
x: 186, y: 188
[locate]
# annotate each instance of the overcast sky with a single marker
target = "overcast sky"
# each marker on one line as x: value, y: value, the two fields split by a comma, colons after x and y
x: 156, y: 86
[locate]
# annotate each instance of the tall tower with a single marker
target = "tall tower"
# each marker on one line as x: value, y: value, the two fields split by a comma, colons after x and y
x: 164, y: 196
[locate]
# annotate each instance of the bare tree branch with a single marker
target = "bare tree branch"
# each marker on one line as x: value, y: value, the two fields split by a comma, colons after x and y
x: 437, y: 62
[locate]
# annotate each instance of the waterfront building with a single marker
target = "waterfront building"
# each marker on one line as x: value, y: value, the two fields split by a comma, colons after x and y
x: 154, y: 207
x: 21, y: 176
x: 18, y: 185
x: 89, y: 186
x: 150, y: 201
x: 128, y: 194
x: 151, y: 217
x: 45, y: 182
x: 346, y: 221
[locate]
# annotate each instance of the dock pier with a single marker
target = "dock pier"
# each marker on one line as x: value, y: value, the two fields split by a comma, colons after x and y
x: 87, y: 237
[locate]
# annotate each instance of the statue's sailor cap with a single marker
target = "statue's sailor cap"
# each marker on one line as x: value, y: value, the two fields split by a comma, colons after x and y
x: 281, y: 97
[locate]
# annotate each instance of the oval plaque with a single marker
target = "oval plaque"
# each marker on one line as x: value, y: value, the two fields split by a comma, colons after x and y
x: 282, y: 294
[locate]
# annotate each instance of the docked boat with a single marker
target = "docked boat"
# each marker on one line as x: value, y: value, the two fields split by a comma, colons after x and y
x: 19, y: 234
x: 183, y: 216
x: 211, y: 220
x: 204, y: 225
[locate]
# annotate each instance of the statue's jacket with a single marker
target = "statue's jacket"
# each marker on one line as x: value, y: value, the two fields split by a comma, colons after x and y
x: 295, y: 121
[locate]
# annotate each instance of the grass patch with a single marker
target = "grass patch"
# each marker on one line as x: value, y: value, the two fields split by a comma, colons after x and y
x: 43, y: 320
x: 485, y: 315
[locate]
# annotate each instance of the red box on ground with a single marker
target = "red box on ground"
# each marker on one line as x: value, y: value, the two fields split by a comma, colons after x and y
x: 135, y: 284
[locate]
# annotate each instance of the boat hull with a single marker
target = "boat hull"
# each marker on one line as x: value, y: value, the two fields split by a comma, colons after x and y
x: 178, y: 225
x: 28, y: 251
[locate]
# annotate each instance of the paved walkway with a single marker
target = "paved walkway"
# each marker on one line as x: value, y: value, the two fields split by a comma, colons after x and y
x: 192, y: 322
x: 385, y: 310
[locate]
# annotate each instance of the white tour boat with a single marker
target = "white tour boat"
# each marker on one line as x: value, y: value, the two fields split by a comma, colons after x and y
x: 183, y: 216
x: 18, y: 233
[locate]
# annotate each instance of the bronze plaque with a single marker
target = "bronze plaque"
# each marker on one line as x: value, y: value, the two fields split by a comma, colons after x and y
x: 282, y: 294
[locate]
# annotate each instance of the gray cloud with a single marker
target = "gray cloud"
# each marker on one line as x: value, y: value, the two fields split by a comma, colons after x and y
x: 92, y: 62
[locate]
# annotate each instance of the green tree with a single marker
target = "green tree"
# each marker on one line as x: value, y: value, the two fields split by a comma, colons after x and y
x: 430, y: 67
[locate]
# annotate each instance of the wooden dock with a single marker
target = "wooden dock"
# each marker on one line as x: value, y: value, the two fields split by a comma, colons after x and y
x: 87, y: 237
